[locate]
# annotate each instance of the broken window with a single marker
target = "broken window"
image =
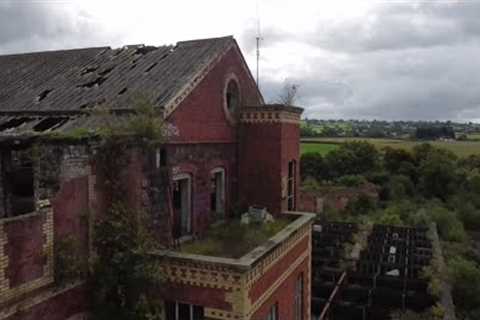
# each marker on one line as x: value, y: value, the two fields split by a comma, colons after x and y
x: 217, y: 194
x: 232, y: 96
x: 292, y: 174
x: 298, y: 299
x: 183, y: 311
x: 50, y: 123
x: 182, y: 205
x: 18, y: 181
x: 161, y: 158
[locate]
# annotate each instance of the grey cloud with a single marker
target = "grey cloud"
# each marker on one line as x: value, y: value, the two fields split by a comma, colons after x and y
x: 402, y: 61
x: 29, y: 25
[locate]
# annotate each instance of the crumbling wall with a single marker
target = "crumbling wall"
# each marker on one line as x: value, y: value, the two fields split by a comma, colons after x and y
x: 63, y: 180
x: 26, y: 254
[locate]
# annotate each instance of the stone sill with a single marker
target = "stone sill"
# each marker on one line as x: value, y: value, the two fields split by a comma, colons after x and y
x: 247, y: 261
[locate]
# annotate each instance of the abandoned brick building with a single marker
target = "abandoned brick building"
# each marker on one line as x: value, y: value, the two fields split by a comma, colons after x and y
x: 230, y: 150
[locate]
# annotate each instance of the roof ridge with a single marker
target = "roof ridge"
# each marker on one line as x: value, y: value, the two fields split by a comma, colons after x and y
x: 54, y: 51
x: 229, y: 37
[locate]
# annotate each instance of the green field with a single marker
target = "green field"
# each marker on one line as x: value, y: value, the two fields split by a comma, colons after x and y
x: 322, y: 148
x: 325, y: 145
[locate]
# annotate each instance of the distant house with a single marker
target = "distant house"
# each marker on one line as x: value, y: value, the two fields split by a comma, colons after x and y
x: 230, y: 150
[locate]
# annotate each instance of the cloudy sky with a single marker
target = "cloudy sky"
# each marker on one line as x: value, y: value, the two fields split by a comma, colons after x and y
x: 394, y: 60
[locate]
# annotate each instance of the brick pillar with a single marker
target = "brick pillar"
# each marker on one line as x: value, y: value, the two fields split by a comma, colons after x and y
x: 269, y: 140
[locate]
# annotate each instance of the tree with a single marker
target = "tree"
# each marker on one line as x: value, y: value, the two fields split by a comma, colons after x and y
x: 357, y: 157
x: 289, y: 94
x: 312, y: 165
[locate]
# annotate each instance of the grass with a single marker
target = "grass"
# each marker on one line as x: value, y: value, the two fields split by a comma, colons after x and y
x: 233, y: 239
x: 460, y: 148
x: 322, y: 148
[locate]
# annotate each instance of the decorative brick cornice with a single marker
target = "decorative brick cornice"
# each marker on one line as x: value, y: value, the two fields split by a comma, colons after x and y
x: 236, y: 277
x: 271, y: 114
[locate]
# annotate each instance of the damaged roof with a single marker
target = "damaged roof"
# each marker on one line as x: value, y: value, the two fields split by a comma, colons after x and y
x: 49, y: 89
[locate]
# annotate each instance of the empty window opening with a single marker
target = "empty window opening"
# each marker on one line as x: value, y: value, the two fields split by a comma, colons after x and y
x: 232, y: 96
x: 122, y: 91
x: 183, y: 311
x: 50, y: 123
x: 44, y: 94
x: 182, y: 205
x: 151, y: 67
x: 217, y: 195
x: 88, y: 70
x: 299, y: 302
x: 19, y: 182
x: 273, y: 312
x: 14, y: 123
x: 292, y: 178
x: 95, y: 83
x: 106, y: 71
x: 161, y: 158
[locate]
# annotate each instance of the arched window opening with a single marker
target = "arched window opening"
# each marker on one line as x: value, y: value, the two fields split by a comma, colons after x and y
x: 182, y: 205
x: 217, y: 194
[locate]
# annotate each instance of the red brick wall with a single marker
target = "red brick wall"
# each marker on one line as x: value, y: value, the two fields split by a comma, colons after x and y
x: 201, y: 117
x: 25, y: 249
x: 69, y: 206
x: 59, y: 307
x: 199, y: 160
x: 277, y: 270
x: 284, y: 296
x: 260, y: 165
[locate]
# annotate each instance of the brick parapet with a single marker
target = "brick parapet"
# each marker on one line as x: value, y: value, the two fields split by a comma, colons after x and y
x: 7, y: 290
x: 236, y: 278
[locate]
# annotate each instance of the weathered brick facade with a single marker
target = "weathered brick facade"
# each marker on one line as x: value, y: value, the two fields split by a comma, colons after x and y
x: 254, y: 148
x: 247, y: 287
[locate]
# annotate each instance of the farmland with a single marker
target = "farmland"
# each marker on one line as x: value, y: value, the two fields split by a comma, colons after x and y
x: 325, y: 145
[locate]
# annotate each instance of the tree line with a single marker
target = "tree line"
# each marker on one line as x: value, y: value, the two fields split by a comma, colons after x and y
x: 417, y: 187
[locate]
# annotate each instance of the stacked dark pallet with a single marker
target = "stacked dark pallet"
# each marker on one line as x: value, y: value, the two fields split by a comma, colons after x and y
x: 386, y: 277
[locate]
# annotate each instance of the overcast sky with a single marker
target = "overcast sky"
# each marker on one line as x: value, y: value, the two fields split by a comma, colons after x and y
x: 394, y: 60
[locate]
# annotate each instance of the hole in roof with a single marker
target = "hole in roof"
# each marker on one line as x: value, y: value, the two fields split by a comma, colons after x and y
x: 122, y: 91
x: 44, y: 94
x: 95, y: 83
x: 86, y: 106
x: 50, y: 123
x: 144, y: 49
x: 151, y: 67
x: 14, y: 123
x: 88, y: 70
x: 106, y: 71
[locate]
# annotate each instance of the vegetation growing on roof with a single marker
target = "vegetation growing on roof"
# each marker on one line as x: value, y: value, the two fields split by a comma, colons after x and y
x: 233, y: 239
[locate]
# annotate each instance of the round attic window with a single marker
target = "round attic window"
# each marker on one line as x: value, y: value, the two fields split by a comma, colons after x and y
x: 232, y: 98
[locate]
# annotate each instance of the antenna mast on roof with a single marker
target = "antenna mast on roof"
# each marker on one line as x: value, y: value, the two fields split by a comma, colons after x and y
x: 258, y: 38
